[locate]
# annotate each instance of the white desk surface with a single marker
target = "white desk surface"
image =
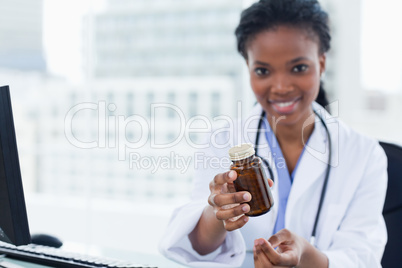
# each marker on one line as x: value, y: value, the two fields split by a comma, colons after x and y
x: 150, y: 259
x: 140, y: 258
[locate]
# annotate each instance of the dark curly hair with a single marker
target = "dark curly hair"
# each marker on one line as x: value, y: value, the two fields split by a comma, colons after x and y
x: 268, y: 14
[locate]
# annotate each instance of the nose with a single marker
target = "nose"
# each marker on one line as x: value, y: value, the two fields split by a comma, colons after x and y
x: 281, y: 84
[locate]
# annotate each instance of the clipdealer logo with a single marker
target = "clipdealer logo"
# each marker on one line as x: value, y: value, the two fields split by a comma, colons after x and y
x: 112, y: 129
x: 147, y: 128
x: 235, y: 132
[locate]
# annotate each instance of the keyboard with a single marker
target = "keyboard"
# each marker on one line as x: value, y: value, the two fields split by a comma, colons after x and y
x: 59, y: 258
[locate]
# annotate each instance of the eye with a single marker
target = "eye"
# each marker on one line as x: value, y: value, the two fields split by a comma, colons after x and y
x: 300, y: 68
x: 261, y: 71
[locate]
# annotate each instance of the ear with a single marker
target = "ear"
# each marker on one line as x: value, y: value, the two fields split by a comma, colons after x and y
x: 322, y: 60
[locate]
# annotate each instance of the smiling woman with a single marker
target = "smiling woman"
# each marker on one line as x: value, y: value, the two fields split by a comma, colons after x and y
x: 124, y: 55
x: 285, y: 68
x: 284, y: 44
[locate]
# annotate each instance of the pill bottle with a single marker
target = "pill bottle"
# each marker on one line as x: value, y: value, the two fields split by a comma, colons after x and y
x: 251, y: 178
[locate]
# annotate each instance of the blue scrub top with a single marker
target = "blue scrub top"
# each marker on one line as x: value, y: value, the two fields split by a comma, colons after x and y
x: 284, y: 179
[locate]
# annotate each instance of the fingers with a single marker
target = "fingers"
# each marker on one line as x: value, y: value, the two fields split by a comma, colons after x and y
x: 263, y: 250
x: 231, y: 198
x: 227, y: 203
x: 223, y: 178
x: 280, y: 237
x: 225, y: 214
x: 233, y: 225
x: 220, y: 185
x: 265, y: 247
x: 287, y: 253
x: 270, y: 182
x: 219, y: 200
x: 211, y: 200
x: 260, y: 258
x: 230, y: 187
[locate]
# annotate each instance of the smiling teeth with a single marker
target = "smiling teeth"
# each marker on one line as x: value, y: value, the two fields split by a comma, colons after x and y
x: 284, y: 104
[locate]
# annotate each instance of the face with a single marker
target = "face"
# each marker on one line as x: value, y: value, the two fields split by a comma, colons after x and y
x: 285, y: 67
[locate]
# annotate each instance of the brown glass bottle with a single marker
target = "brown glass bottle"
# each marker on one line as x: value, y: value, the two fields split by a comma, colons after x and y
x: 251, y: 177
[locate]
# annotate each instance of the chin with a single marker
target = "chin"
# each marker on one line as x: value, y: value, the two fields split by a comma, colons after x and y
x: 289, y: 118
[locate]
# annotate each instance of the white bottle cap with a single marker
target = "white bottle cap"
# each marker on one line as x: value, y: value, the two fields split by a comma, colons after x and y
x: 241, y: 152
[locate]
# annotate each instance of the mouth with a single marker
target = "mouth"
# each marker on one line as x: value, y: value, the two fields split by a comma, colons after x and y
x: 285, y: 106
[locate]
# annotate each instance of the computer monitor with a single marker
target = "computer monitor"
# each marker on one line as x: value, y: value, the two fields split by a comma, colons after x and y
x: 13, y: 216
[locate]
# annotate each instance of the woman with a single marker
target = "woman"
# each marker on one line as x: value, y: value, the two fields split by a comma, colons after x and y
x: 284, y: 43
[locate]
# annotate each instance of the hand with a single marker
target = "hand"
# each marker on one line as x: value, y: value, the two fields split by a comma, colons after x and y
x: 227, y: 203
x: 290, y: 248
x: 225, y: 212
x: 292, y: 251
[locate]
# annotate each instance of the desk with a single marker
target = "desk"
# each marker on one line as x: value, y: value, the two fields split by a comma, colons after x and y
x: 10, y: 263
x: 163, y: 262
x: 151, y: 259
x: 249, y: 260
x: 157, y: 260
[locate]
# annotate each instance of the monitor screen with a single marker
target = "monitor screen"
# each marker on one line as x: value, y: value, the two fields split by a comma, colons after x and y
x: 13, y: 217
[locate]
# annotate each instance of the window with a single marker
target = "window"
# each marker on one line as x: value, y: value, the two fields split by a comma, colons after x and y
x: 381, y: 46
x: 192, y: 104
x: 119, y: 59
x: 130, y: 103
x: 171, y: 99
x: 216, y: 102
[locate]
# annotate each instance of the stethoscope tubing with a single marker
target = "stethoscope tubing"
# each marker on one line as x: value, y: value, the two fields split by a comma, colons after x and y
x: 327, y: 172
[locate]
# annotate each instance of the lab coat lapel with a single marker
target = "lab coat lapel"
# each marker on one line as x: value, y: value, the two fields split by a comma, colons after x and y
x: 312, y: 166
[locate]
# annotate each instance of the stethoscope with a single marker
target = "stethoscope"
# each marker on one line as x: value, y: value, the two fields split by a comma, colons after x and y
x: 324, y: 186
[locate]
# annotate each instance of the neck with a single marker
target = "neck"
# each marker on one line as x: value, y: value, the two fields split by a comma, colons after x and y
x: 295, y: 134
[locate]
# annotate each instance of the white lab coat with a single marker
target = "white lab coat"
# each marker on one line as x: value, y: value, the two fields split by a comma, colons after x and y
x: 351, y: 230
